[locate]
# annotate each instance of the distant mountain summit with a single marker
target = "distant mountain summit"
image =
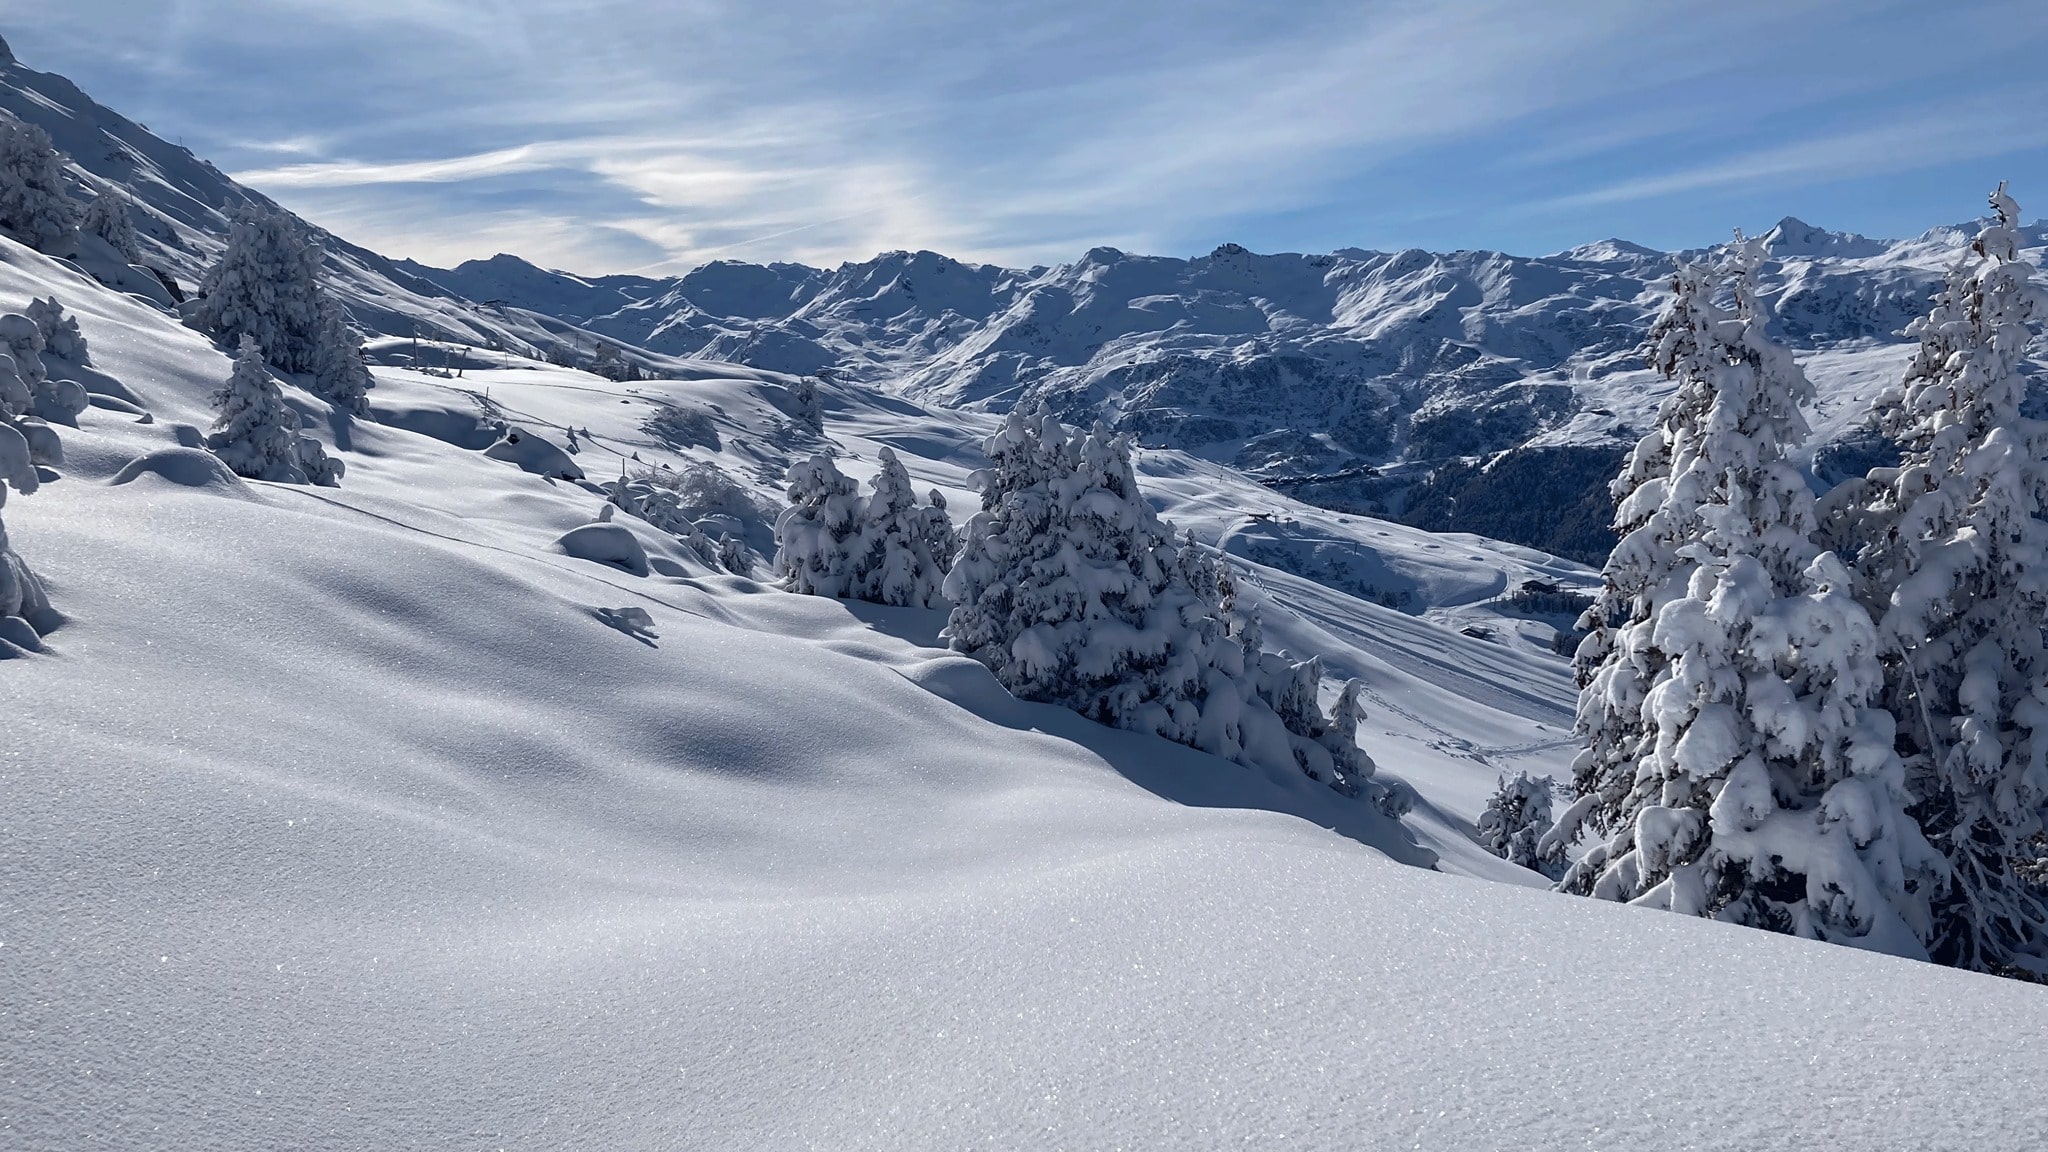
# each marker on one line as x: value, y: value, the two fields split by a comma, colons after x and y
x: 1611, y: 250
x: 1793, y: 237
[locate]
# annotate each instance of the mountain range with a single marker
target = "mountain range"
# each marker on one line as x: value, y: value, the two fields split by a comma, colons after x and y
x: 1463, y: 391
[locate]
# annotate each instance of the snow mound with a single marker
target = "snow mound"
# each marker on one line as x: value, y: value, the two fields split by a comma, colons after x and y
x: 535, y: 455
x: 606, y: 544
x: 184, y: 467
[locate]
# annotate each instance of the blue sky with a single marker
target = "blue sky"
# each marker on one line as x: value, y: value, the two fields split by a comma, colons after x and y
x: 600, y: 136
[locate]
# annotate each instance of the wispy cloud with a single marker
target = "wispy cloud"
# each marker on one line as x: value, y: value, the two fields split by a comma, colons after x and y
x: 2001, y: 126
x: 603, y: 134
x: 356, y: 173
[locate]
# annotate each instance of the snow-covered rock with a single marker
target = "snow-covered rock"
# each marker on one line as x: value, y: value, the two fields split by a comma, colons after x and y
x: 533, y: 453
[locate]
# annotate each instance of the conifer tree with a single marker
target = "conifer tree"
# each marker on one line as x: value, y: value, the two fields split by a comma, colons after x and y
x: 338, y: 369
x: 106, y: 216
x: 1734, y: 756
x: 255, y: 434
x: 1077, y: 596
x: 902, y: 551
x: 1954, y: 562
x: 804, y: 397
x: 266, y: 286
x: 936, y: 528
x: 1515, y: 822
x: 1070, y: 589
x: 817, y: 538
x: 33, y: 204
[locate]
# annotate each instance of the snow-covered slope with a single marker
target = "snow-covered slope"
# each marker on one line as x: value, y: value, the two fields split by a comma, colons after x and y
x: 347, y: 818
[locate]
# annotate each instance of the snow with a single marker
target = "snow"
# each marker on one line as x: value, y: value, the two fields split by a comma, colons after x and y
x: 341, y: 817
x: 404, y: 814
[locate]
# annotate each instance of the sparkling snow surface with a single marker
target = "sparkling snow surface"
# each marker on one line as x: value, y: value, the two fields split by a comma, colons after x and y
x: 343, y: 819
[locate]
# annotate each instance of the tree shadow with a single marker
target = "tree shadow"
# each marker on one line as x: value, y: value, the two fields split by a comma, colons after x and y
x: 1171, y: 771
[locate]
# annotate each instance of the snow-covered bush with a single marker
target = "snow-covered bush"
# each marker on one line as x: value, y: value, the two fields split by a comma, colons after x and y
x: 314, y: 462
x: 20, y: 593
x: 1953, y: 559
x: 25, y: 441
x: 705, y: 490
x: 818, y: 538
x: 1734, y: 757
x: 47, y: 397
x: 652, y: 497
x: 734, y: 556
x: 61, y: 337
x: 106, y: 216
x: 256, y: 433
x: 1515, y: 823
x: 33, y: 205
x: 22, y: 339
x: 1070, y: 589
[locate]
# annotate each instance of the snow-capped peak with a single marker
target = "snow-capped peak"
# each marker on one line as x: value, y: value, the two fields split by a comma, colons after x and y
x: 1795, y: 237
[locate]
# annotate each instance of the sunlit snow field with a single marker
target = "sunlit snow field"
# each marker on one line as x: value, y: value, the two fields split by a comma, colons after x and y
x: 341, y: 818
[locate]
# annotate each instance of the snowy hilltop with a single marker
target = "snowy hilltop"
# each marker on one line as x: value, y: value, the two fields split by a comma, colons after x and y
x: 491, y: 707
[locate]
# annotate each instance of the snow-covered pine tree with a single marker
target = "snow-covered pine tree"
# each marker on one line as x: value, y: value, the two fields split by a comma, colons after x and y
x: 1072, y: 592
x: 33, y: 205
x: 818, y: 537
x: 1761, y: 787
x: 937, y: 530
x: 338, y: 369
x: 804, y: 398
x: 1340, y: 738
x: 1323, y: 747
x: 1070, y: 589
x: 1514, y: 824
x: 896, y: 558
x: 266, y: 285
x: 106, y: 216
x: 607, y: 361
x: 1616, y: 663
x: 1954, y: 562
x: 255, y: 434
